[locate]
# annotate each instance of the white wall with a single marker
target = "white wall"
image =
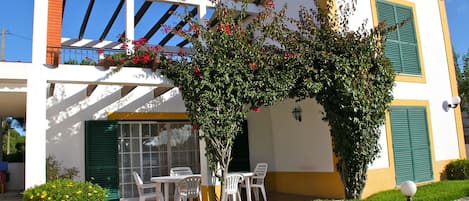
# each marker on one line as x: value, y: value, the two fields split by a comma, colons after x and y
x: 287, y: 144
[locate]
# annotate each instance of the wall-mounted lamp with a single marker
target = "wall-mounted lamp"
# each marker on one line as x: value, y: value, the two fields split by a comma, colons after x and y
x: 296, y: 112
x: 455, y: 101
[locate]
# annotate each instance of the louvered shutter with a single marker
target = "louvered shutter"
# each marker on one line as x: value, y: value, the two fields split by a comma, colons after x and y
x: 420, y: 144
x: 412, y: 155
x: 101, y: 155
x: 401, y: 45
x: 401, y: 145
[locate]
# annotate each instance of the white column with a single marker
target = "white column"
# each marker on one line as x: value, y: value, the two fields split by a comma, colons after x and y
x: 204, y: 168
x: 35, y: 164
x: 129, y: 24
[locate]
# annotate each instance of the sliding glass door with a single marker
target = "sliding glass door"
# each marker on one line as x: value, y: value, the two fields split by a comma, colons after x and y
x: 152, y: 148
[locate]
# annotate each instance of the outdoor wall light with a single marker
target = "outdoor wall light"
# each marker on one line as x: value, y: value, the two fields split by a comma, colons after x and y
x: 297, y: 113
x: 455, y: 101
x: 408, y: 188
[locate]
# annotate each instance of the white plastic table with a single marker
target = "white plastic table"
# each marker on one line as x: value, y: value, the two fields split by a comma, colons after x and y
x: 247, y: 180
x: 166, y: 180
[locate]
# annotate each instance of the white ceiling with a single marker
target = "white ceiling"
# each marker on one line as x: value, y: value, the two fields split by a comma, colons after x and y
x: 12, y: 104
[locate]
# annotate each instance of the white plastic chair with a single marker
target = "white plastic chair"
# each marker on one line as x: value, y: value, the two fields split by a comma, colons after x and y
x: 141, y: 189
x: 177, y: 171
x: 232, y: 188
x: 257, y: 181
x: 189, y: 188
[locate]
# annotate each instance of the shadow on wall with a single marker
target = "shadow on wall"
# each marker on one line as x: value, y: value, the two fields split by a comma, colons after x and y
x: 70, y: 107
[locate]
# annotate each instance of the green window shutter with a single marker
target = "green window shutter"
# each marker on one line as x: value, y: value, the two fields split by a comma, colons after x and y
x: 401, y: 45
x: 401, y: 145
x: 412, y: 155
x: 420, y: 144
x: 386, y: 14
x: 101, y: 155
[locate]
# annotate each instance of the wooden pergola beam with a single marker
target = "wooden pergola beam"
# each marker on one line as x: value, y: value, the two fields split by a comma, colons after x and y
x: 112, y: 20
x: 160, y: 22
x: 51, y: 90
x: 160, y: 91
x: 126, y: 90
x: 85, y: 19
x: 179, y: 26
x: 90, y: 89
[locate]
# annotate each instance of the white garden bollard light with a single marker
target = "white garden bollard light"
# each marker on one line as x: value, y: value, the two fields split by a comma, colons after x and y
x: 408, y: 188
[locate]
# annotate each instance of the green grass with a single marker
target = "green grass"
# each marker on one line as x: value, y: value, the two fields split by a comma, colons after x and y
x: 444, y: 191
x: 438, y: 191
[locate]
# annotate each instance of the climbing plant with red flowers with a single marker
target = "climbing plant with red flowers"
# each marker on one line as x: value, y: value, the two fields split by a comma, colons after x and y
x: 231, y: 71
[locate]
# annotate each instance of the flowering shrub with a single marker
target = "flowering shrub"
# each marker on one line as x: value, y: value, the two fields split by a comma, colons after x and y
x: 65, y: 189
x: 231, y: 71
x: 142, y: 55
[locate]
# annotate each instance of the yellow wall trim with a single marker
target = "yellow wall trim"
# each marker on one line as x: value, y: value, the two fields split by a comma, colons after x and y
x: 452, y: 78
x: 210, y: 193
x: 147, y: 116
x: 379, y: 180
x: 403, y: 77
x: 318, y: 184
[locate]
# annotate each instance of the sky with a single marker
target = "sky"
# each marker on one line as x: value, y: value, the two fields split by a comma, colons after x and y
x: 16, y: 19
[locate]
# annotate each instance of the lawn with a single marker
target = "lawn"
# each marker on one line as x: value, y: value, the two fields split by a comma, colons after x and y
x: 444, y: 191
x: 439, y: 191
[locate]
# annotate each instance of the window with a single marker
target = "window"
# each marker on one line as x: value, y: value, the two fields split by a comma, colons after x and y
x: 115, y: 149
x: 402, y: 46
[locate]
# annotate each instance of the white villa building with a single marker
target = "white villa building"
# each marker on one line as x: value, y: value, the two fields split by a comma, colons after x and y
x: 108, y: 124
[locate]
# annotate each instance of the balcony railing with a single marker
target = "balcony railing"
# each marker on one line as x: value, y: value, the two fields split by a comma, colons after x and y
x: 75, y: 55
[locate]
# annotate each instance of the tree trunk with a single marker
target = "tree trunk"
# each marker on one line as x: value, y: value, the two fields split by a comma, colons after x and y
x: 353, y: 179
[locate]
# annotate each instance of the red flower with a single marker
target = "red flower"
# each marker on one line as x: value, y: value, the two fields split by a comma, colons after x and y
x: 197, y: 72
x: 156, y: 47
x: 268, y: 4
x: 194, y: 126
x: 140, y: 41
x: 145, y: 58
x: 167, y: 28
x: 99, y: 51
x: 227, y: 29
x: 193, y: 28
x: 253, y: 66
x: 170, y: 61
x: 135, y: 59
x: 255, y: 108
x: 181, y: 52
x: 288, y: 55
x: 124, y: 45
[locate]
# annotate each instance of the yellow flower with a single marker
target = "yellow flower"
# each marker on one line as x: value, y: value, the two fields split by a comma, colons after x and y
x: 31, y: 197
x: 78, y: 192
x: 95, y: 191
x: 89, y: 194
x: 66, y: 196
x: 49, y: 198
x: 43, y: 194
